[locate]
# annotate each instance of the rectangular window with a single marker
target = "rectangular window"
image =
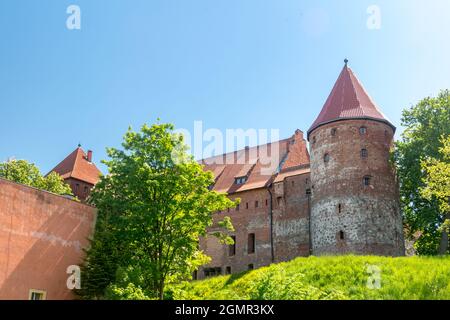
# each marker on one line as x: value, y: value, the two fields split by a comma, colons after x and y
x: 228, y: 270
x: 246, y: 205
x: 232, y: 247
x: 256, y: 204
x: 267, y: 202
x: 237, y: 208
x: 251, y: 243
x: 37, y: 294
x: 250, y: 266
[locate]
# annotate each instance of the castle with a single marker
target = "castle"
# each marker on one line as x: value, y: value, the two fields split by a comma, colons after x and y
x: 340, y: 198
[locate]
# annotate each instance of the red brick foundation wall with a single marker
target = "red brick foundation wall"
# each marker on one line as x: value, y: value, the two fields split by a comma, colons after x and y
x: 41, y: 234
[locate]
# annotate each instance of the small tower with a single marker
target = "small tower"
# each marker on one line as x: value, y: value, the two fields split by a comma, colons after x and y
x: 78, y: 171
x: 355, y: 199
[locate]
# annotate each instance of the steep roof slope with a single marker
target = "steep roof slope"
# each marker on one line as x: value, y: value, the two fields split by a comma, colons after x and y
x: 348, y: 100
x: 77, y: 166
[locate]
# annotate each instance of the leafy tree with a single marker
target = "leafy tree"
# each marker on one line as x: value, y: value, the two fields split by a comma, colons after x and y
x: 21, y: 171
x: 425, y: 123
x: 152, y: 208
x: 437, y: 186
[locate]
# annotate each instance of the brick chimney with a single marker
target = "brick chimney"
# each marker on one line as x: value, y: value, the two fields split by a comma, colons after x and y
x: 89, y: 155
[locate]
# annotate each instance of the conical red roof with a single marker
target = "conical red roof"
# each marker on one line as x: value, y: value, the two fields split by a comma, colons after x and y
x: 348, y: 100
x: 77, y: 166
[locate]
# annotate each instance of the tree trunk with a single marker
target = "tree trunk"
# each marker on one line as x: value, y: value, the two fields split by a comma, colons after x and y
x: 443, y: 248
x: 161, y: 290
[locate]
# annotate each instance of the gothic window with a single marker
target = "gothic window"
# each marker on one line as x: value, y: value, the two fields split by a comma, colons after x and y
x: 362, y: 130
x: 364, y: 153
x: 326, y: 158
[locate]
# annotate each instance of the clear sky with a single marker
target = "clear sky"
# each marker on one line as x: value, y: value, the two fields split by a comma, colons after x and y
x: 228, y: 63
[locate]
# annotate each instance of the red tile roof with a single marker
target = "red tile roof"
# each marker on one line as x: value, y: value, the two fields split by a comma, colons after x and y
x: 76, y: 166
x: 348, y: 100
x: 255, y: 164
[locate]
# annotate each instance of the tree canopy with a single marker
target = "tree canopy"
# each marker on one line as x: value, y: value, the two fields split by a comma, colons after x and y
x: 24, y: 172
x: 153, y: 207
x: 425, y: 125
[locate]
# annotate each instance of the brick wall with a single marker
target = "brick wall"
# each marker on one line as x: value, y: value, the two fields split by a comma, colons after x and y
x: 290, y: 227
x: 41, y: 234
x: 347, y: 216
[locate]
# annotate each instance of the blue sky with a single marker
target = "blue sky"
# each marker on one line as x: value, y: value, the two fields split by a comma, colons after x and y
x: 229, y: 63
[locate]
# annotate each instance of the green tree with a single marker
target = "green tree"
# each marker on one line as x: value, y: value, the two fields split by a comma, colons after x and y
x: 437, y: 186
x: 24, y: 172
x: 152, y: 209
x: 424, y: 124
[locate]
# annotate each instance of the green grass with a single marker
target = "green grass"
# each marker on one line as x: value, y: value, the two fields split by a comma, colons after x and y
x: 331, y: 277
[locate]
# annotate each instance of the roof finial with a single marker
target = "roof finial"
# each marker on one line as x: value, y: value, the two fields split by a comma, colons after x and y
x: 346, y: 61
x: 79, y: 145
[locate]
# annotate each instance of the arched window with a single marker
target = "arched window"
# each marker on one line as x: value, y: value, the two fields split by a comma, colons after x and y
x: 362, y: 130
x: 364, y: 153
x: 367, y: 181
x: 326, y: 158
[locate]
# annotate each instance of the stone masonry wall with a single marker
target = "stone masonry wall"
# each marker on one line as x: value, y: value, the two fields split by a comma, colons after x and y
x: 346, y: 215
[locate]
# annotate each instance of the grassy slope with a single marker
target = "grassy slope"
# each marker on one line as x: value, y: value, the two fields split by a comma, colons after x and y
x: 334, y: 277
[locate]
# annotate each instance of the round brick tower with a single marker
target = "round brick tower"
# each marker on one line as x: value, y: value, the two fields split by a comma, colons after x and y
x: 355, y: 199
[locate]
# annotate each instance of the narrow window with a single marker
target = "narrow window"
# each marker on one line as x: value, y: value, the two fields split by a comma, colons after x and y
x: 341, y: 235
x: 37, y: 294
x: 293, y: 183
x: 326, y: 158
x: 256, y: 204
x: 237, y: 207
x: 308, y: 191
x: 339, y: 208
x: 86, y: 190
x: 246, y: 205
x: 228, y: 270
x: 314, y: 140
x: 77, y: 186
x: 228, y: 210
x: 362, y: 130
x: 279, y: 200
x: 333, y: 132
x: 250, y: 266
x: 267, y: 202
x: 306, y: 181
x: 251, y: 243
x: 364, y: 153
x: 366, y: 181
x: 194, y: 275
x: 232, y: 247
